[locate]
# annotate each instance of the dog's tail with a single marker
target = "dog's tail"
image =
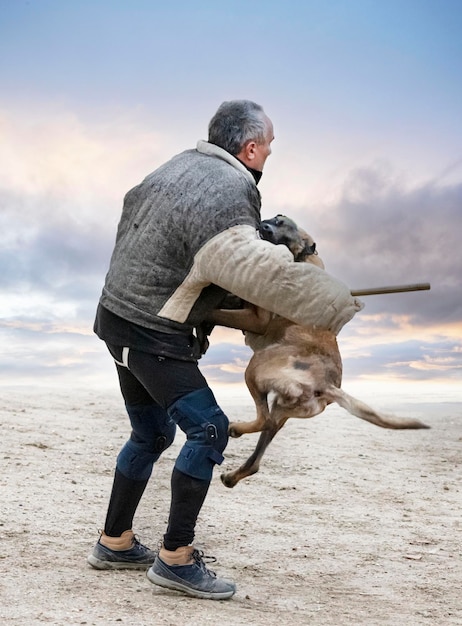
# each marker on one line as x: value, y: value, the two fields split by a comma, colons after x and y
x: 365, y: 412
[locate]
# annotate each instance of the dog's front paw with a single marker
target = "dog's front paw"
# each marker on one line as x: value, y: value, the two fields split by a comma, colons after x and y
x: 233, y: 430
x: 228, y: 479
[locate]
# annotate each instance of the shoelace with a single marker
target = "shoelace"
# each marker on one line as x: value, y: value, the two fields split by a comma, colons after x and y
x: 201, y: 559
x: 137, y: 544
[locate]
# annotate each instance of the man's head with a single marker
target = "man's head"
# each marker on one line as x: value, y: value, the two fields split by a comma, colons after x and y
x: 242, y: 128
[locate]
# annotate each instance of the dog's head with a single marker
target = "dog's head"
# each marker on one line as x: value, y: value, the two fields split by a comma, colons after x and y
x: 282, y: 230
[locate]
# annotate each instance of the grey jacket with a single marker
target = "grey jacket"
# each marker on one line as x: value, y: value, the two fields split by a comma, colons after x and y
x: 189, y: 231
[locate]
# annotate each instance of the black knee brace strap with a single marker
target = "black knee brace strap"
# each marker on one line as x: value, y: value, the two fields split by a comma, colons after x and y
x: 153, y: 431
x: 206, y: 428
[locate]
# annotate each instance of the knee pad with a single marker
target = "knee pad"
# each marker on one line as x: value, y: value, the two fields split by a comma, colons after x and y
x: 153, y: 431
x: 206, y: 429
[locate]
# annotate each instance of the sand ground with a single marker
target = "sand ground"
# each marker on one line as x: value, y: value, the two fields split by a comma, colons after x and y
x: 345, y: 524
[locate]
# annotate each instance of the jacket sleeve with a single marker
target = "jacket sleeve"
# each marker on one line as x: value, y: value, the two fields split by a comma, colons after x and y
x: 266, y: 275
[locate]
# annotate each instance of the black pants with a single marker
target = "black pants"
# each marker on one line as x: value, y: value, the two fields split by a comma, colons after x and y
x: 160, y: 381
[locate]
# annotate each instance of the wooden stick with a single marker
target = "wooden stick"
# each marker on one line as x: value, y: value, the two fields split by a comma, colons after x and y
x: 392, y: 289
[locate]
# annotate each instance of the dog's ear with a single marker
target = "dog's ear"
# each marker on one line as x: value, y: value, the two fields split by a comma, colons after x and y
x: 297, y: 247
x: 308, y: 252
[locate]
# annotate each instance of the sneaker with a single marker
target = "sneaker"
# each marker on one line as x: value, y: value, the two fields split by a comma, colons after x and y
x: 194, y: 580
x: 137, y: 557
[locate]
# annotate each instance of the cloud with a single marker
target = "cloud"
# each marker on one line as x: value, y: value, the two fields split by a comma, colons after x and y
x: 380, y: 231
x: 226, y: 361
x: 36, y: 353
x: 52, y: 150
x: 408, y: 359
x: 62, y: 182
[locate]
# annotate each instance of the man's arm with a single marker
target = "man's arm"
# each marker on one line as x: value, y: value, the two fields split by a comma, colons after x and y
x: 266, y: 275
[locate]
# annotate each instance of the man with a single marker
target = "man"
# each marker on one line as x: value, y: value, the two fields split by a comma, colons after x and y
x: 187, y: 235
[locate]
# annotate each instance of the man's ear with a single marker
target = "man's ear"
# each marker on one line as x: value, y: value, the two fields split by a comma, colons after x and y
x: 249, y: 150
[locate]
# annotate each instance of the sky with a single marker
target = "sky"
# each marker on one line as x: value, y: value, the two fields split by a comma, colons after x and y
x: 366, y: 101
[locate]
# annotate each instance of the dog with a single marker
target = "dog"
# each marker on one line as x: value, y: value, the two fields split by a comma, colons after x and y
x: 295, y: 371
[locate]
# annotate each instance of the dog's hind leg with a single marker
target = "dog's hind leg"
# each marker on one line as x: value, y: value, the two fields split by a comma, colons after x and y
x: 262, y: 419
x: 252, y: 465
x: 260, y: 423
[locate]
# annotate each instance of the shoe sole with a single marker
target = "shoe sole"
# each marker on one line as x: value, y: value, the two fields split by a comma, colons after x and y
x: 190, y: 591
x: 100, y: 564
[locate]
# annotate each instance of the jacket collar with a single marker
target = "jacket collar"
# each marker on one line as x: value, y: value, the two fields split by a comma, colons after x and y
x: 212, y: 150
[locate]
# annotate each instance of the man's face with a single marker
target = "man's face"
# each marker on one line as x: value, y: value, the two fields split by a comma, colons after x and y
x: 263, y: 150
x: 255, y: 154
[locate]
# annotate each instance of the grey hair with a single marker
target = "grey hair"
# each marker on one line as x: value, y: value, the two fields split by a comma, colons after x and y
x: 235, y: 123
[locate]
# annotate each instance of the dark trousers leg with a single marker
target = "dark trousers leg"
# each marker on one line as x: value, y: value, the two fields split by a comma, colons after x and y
x: 188, y: 495
x: 163, y: 381
x: 126, y: 493
x: 125, y: 497
x: 167, y: 380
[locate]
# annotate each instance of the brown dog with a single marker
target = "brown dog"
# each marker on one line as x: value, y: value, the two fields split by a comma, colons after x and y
x: 300, y: 367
